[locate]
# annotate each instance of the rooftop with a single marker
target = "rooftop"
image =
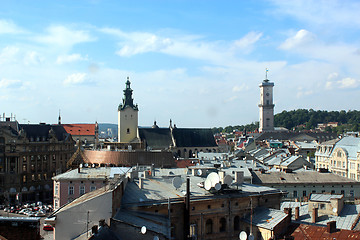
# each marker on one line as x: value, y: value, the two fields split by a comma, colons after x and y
x: 267, y: 218
x: 345, y: 220
x: 310, y: 177
x: 324, y: 197
x: 92, y: 173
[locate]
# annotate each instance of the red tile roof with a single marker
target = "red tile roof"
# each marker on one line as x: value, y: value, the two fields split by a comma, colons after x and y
x: 316, y: 232
x: 80, y: 129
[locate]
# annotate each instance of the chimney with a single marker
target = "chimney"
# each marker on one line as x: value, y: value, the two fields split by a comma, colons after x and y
x: 222, y: 176
x: 297, y: 213
x: 102, y: 223
x: 239, y: 177
x: 288, y: 211
x: 141, y: 183
x: 79, y: 169
x: 331, y: 226
x: 314, y: 216
x: 94, y: 229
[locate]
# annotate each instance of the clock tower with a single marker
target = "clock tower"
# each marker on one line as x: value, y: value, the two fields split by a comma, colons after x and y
x: 266, y: 106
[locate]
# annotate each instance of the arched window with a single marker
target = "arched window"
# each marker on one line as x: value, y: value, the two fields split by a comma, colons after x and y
x: 190, y: 154
x: 128, y: 131
x: 236, y: 223
x: 222, y: 225
x: 209, y: 226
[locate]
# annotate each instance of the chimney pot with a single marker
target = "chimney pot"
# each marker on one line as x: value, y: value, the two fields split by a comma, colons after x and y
x: 331, y: 226
x: 297, y: 213
x: 314, y: 217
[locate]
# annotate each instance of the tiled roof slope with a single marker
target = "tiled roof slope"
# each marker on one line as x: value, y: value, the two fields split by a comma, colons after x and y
x: 80, y: 129
x: 42, y: 131
x: 194, y: 137
x: 156, y: 138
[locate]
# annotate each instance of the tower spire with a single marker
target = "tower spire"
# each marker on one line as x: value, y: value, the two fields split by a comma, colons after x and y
x: 59, y: 120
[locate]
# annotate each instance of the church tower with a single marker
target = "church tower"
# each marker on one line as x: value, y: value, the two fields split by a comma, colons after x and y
x: 127, y: 117
x: 266, y: 106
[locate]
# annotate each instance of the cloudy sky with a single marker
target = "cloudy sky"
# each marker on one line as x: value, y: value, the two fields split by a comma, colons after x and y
x: 199, y: 63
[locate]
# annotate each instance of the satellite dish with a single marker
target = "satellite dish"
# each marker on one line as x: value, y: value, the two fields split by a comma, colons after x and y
x: 177, y: 182
x: 207, y: 184
x: 217, y: 186
x: 334, y: 210
x: 243, y: 235
x: 228, y: 180
x: 199, y: 172
x: 81, y: 165
x: 156, y: 238
x: 251, y: 237
x: 143, y: 229
x: 197, y: 164
x: 214, y: 178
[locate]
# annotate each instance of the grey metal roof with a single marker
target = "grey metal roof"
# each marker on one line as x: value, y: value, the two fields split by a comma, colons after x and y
x: 324, y: 197
x: 300, y: 178
x: 267, y: 218
x: 160, y: 189
x: 350, y: 144
x: 92, y: 173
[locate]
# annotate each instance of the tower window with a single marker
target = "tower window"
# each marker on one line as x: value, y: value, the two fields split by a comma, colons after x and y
x: 128, y: 131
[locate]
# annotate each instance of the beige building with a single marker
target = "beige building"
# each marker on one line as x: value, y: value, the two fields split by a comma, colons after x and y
x: 341, y: 157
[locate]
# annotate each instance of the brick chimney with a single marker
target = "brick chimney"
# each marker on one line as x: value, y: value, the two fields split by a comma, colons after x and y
x: 297, y: 213
x: 314, y: 216
x: 331, y: 226
x: 288, y: 211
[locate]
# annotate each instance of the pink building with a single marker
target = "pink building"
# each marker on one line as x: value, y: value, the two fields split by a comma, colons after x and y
x: 72, y: 184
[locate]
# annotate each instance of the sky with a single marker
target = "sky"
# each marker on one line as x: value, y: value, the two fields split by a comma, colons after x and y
x: 198, y: 63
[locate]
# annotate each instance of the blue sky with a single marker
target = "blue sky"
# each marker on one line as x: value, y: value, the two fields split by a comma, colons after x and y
x: 199, y: 63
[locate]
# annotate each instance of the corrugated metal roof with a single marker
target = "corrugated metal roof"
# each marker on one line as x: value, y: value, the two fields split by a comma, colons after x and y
x: 267, y: 218
x: 324, y: 197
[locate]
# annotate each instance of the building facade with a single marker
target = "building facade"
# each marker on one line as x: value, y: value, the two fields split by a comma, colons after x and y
x: 341, y: 157
x: 266, y: 106
x: 30, y: 154
x: 87, y: 134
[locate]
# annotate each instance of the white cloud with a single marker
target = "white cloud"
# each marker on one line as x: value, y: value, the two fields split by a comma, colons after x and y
x: 348, y: 83
x: 332, y: 13
x: 64, y: 37
x: 248, y: 40
x: 7, y: 26
x: 70, y: 58
x: 9, y: 54
x: 9, y: 83
x: 241, y: 88
x: 75, y: 78
x: 301, y: 38
x: 32, y: 58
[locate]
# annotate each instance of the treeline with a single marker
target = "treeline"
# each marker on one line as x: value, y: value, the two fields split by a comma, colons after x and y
x: 229, y: 129
x: 293, y: 120
x: 304, y: 119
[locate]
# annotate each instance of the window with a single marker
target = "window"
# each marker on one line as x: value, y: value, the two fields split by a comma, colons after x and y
x: 295, y: 194
x: 304, y: 193
x: 209, y: 226
x: 322, y: 206
x: 56, y: 190
x: 351, y: 193
x: 92, y: 188
x: 24, y: 178
x: 128, y: 131
x: 82, y: 190
x: 236, y: 223
x: 222, y: 225
x: 193, y: 231
x: 71, y: 190
x: 56, y: 203
x: 342, y: 192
